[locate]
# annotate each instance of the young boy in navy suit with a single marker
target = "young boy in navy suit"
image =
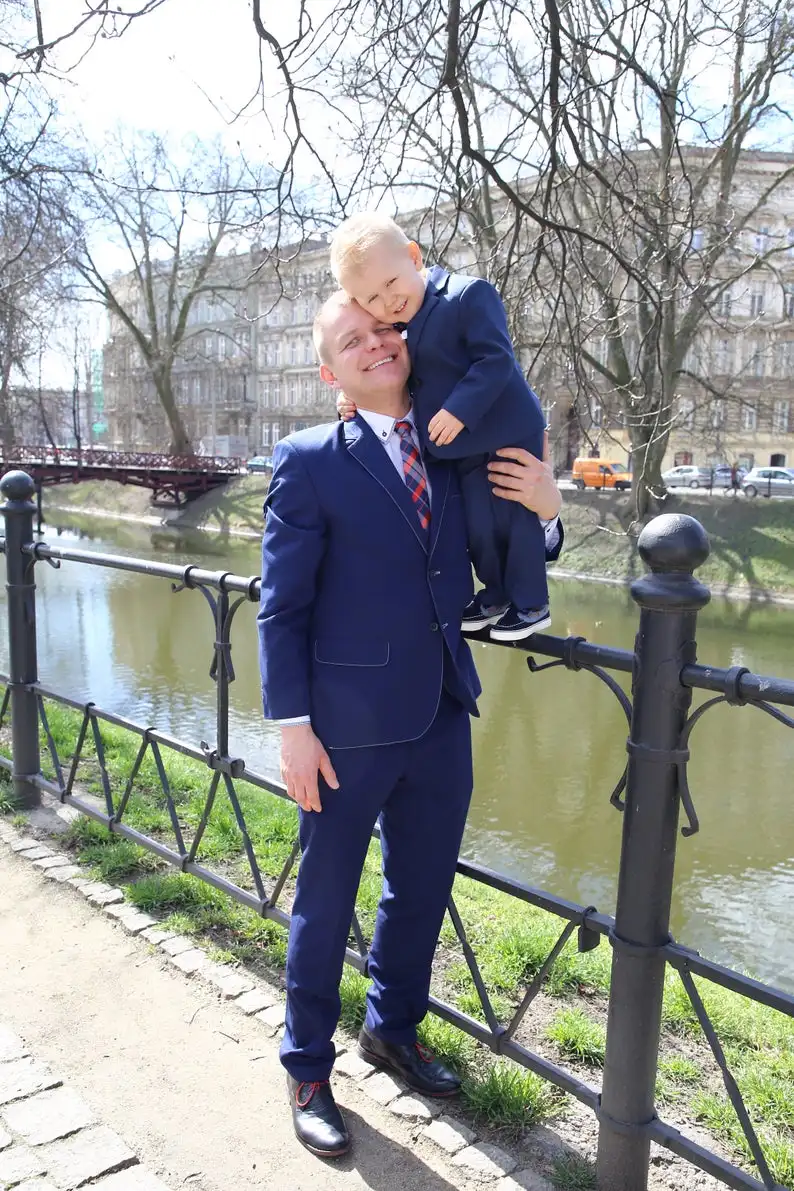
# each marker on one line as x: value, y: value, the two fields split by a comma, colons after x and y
x: 470, y: 397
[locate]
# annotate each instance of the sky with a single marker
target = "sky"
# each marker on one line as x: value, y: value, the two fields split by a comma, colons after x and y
x: 186, y: 69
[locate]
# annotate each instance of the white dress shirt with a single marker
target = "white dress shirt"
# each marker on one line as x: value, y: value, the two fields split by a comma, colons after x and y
x: 382, y: 427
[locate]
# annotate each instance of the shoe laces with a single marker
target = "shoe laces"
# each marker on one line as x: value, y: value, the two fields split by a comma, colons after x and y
x: 425, y: 1055
x: 313, y: 1086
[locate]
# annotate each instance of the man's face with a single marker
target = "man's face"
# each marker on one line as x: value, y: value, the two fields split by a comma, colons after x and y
x: 389, y: 284
x: 367, y: 359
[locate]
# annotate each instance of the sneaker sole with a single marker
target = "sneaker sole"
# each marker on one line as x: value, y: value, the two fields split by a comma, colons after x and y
x: 384, y: 1065
x: 471, y: 626
x: 520, y: 634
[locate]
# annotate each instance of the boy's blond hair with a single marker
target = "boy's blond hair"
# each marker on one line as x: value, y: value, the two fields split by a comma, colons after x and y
x: 358, y: 235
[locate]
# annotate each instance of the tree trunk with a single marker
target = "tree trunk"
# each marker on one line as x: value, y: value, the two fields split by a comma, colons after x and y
x: 181, y: 443
x: 648, y: 490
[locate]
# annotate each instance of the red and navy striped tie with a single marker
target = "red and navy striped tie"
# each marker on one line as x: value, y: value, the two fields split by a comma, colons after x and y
x: 414, y: 472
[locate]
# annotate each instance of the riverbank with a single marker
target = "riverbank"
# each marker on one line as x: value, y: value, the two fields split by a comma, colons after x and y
x: 752, y: 542
x: 511, y: 941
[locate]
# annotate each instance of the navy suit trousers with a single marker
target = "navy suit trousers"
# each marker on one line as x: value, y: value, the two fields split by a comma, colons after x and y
x: 507, y: 542
x: 420, y: 793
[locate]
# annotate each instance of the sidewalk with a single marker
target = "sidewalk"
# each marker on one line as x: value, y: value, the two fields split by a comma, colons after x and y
x: 192, y: 1085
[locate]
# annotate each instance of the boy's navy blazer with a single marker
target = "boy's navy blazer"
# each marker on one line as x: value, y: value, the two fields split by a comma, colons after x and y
x: 462, y: 358
x: 358, y: 602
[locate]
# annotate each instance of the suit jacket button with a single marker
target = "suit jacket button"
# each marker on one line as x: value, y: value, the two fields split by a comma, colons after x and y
x: 434, y: 574
x: 434, y: 627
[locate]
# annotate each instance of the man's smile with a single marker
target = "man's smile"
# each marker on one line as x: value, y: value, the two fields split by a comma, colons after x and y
x: 377, y: 364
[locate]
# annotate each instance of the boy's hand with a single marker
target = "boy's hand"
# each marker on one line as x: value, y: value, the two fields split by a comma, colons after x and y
x: 443, y: 428
x: 346, y: 408
x: 527, y: 480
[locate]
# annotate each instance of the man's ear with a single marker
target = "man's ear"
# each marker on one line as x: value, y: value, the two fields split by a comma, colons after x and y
x: 415, y: 253
x: 327, y: 375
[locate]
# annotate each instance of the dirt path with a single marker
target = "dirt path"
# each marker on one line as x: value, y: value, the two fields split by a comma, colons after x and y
x: 191, y: 1085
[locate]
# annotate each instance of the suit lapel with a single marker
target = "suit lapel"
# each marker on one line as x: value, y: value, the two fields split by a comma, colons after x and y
x: 436, y: 284
x: 365, y: 448
x: 439, y: 475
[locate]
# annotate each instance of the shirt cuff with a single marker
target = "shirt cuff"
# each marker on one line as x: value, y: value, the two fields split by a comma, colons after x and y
x: 298, y: 719
x: 551, y: 529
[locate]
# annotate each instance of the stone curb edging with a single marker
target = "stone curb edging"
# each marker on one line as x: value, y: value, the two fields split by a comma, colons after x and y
x: 50, y: 1139
x: 479, y: 1161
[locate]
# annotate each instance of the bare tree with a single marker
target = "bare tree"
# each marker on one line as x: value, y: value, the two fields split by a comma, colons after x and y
x: 579, y: 147
x: 167, y: 216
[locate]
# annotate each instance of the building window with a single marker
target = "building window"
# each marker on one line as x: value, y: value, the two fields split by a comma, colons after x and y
x: 790, y: 239
x: 195, y: 389
x: 306, y: 310
x: 788, y: 301
x: 718, y: 414
x: 757, y: 301
x: 598, y: 415
x: 209, y: 345
x: 265, y: 394
x: 756, y: 362
x: 761, y: 239
x: 276, y: 433
x: 265, y: 436
x: 725, y: 303
x: 781, y: 417
x: 308, y: 352
x: 274, y: 354
x: 547, y: 405
x: 686, y: 413
x: 221, y: 347
x: 697, y: 239
x: 276, y: 401
x: 306, y: 389
x: 749, y: 417
x: 293, y: 351
x: 723, y: 357
x: 293, y: 392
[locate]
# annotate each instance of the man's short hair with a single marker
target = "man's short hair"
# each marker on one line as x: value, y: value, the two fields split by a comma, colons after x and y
x: 337, y: 301
x: 358, y: 235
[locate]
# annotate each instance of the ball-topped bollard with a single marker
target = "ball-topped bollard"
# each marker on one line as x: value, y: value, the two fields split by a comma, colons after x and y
x: 17, y: 486
x: 672, y: 546
x: 674, y: 542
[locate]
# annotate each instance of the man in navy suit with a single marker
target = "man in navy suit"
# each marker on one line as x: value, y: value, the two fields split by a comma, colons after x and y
x: 365, y: 574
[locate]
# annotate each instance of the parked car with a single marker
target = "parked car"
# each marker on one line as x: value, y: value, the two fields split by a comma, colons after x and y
x: 259, y: 463
x: 768, y: 481
x: 689, y: 476
x: 600, y: 473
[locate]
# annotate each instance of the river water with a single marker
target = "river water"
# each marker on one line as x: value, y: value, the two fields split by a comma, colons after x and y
x: 548, y: 747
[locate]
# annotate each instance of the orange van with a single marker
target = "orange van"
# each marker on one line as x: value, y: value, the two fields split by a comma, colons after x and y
x: 601, y: 473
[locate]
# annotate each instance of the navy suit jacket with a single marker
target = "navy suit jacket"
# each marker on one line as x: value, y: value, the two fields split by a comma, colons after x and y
x: 462, y: 359
x: 358, y: 604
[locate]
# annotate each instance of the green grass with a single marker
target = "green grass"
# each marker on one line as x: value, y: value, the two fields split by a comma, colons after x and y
x: 752, y: 542
x: 579, y: 1037
x: 571, y: 1172
x: 510, y: 939
x: 510, y: 1099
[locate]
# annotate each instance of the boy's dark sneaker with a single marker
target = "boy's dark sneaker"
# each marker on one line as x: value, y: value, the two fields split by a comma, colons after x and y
x: 515, y: 625
x: 477, y: 615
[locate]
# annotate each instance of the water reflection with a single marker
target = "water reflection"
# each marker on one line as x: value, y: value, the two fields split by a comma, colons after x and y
x: 549, y: 747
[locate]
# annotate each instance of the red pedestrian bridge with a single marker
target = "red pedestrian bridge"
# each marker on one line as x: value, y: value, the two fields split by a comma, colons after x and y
x: 172, y: 479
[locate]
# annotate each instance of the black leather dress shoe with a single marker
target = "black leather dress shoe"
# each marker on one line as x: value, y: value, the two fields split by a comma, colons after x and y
x: 414, y: 1063
x: 319, y: 1125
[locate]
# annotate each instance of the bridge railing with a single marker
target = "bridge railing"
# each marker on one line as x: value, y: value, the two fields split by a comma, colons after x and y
x: 651, y: 793
x: 42, y: 456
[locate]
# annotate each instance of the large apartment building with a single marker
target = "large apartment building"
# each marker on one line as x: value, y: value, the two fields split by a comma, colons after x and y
x: 247, y: 371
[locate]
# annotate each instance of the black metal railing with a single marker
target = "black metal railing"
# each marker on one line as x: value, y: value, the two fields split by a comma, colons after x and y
x: 650, y: 793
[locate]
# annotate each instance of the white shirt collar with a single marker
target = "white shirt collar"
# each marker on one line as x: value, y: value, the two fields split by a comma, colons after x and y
x: 382, y: 425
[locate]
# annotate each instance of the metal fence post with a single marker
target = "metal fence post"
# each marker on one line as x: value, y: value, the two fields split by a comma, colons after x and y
x: 18, y: 512
x: 672, y: 546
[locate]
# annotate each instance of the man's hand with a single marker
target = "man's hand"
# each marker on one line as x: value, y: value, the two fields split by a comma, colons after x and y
x: 302, y: 757
x: 346, y: 408
x: 444, y: 427
x: 527, y: 480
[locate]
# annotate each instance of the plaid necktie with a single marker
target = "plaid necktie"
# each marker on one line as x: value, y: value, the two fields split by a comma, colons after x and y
x: 414, y: 472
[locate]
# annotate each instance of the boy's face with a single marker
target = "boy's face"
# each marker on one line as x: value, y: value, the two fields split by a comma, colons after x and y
x: 389, y: 284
